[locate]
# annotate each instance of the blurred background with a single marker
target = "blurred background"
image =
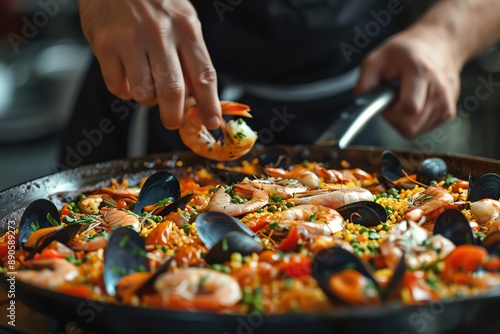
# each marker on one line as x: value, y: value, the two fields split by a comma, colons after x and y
x: 43, y: 58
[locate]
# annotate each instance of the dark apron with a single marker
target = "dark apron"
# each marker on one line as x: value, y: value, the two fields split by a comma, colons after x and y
x: 284, y: 44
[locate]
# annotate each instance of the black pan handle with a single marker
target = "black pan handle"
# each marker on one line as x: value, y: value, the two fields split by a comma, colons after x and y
x: 354, y: 118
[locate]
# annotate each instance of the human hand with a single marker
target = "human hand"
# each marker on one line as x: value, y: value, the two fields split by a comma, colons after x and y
x: 429, y: 75
x: 153, y: 51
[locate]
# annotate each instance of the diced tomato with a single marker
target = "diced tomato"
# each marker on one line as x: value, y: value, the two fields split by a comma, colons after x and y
x: 66, y: 210
x: 121, y: 204
x: 298, y: 266
x: 49, y: 253
x: 81, y: 291
x: 259, y: 225
x: 290, y: 242
x: 4, y: 248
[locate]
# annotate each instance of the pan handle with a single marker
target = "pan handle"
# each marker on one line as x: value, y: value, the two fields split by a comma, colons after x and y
x: 352, y: 120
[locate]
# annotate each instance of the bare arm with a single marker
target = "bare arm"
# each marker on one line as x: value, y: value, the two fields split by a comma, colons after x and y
x: 153, y: 51
x: 427, y: 58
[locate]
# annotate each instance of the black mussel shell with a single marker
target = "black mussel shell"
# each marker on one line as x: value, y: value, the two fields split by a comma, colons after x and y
x: 432, y: 169
x: 232, y: 242
x: 177, y: 204
x: 212, y: 226
x: 391, y: 167
x: 124, y: 255
x: 157, y: 187
x: 393, y: 290
x: 228, y: 176
x: 453, y: 225
x: 63, y: 235
x: 364, y: 213
x: 487, y: 186
x: 148, y: 286
x: 333, y: 260
x: 492, y: 243
x: 275, y: 157
x: 37, y: 211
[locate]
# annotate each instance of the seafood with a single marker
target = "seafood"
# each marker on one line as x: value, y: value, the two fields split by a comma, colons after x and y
x: 55, y: 273
x: 115, y: 217
x: 308, y: 238
x: 283, y: 189
x: 336, y: 198
x: 238, y: 137
x: 198, y: 288
x: 304, y: 176
x: 430, y: 202
x: 315, y: 219
x: 221, y: 202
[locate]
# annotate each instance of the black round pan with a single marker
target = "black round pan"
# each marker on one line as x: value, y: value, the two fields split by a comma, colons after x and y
x: 468, y: 315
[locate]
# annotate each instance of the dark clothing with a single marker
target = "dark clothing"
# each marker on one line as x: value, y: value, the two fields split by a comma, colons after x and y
x: 277, y: 42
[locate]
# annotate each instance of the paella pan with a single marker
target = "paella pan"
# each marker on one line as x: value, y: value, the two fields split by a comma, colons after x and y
x: 413, y: 315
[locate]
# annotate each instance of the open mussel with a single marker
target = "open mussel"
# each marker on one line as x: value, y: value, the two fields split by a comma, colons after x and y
x: 394, y: 172
x: 158, y: 186
x: 345, y: 279
x: 41, y: 213
x: 453, y: 225
x: 487, y: 186
x: 232, y: 242
x: 61, y: 234
x: 212, y: 226
x: 177, y: 204
x: 225, y: 235
x: 275, y: 157
x: 364, y: 213
x: 125, y: 254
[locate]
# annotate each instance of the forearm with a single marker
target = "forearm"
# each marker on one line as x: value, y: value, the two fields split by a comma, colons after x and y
x: 466, y: 26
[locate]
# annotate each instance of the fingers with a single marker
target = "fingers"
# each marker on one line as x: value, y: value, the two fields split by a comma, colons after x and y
x: 114, y: 76
x: 200, y: 75
x: 371, y: 74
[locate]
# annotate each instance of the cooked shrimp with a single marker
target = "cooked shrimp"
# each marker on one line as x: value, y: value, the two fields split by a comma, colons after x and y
x: 342, y: 176
x: 238, y: 137
x: 429, y: 203
x: 487, y: 211
x: 221, y: 202
x: 55, y: 274
x: 198, y: 288
x: 316, y: 219
x: 281, y: 188
x: 304, y: 176
x: 115, y: 217
x: 336, y: 198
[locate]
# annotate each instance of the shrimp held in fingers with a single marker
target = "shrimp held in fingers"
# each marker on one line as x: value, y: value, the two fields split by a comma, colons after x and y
x: 198, y: 288
x: 238, y: 137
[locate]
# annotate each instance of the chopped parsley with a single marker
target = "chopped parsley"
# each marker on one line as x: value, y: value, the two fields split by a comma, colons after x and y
x: 51, y: 220
x: 124, y: 241
x: 274, y: 226
x: 35, y: 226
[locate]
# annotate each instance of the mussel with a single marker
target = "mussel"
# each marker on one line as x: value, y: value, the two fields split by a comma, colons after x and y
x: 177, y: 204
x: 225, y: 235
x: 125, y: 254
x: 228, y: 176
x: 275, y: 157
x: 364, y: 213
x: 41, y: 213
x: 432, y: 169
x: 62, y: 235
x: 453, y: 225
x: 158, y: 186
x: 336, y: 269
x: 487, y: 186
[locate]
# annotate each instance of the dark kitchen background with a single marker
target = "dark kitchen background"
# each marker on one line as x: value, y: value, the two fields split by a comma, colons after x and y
x: 43, y: 58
